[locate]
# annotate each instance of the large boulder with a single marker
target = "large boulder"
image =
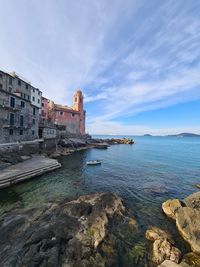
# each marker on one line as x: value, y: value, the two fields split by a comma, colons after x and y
x: 64, y: 234
x: 188, y: 224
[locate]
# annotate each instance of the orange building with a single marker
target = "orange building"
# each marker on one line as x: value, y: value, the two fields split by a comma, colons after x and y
x: 71, y: 120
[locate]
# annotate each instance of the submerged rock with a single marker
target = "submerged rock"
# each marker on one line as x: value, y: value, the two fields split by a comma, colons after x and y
x: 60, y: 234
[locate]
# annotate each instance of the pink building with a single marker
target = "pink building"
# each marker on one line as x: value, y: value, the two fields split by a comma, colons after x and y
x: 71, y: 120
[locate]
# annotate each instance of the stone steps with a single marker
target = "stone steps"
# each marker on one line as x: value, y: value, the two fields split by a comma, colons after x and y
x: 13, y: 179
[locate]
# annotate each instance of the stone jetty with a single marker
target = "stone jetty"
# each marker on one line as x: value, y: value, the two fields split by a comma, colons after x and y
x: 22, y: 171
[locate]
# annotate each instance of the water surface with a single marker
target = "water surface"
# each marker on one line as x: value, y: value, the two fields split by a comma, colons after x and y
x: 144, y: 175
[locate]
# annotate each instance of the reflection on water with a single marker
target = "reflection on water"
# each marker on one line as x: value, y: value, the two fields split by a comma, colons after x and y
x: 144, y: 175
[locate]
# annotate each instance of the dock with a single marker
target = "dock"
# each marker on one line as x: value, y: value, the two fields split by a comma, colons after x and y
x: 26, y: 170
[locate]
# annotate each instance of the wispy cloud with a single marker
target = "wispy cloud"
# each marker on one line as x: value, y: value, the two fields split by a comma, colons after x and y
x: 128, y: 56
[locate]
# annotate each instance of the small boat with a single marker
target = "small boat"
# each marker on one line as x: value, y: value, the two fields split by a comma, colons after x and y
x: 93, y: 162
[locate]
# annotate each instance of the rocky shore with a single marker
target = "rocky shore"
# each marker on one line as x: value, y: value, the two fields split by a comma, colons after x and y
x: 68, y: 233
x: 186, y: 216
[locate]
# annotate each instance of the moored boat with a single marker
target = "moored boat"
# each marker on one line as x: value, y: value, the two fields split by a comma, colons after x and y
x: 93, y: 162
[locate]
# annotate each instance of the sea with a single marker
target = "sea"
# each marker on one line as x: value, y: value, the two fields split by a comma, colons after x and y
x: 144, y: 175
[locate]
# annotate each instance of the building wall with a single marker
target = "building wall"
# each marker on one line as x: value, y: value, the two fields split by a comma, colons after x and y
x: 25, y: 115
x: 36, y: 97
x: 69, y: 118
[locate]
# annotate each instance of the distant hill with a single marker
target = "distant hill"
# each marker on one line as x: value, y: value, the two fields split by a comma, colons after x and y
x: 147, y: 135
x: 185, y: 135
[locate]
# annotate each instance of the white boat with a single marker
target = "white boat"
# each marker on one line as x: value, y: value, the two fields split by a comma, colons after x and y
x: 93, y: 162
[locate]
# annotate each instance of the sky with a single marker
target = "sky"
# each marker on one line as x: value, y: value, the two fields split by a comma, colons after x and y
x: 136, y: 61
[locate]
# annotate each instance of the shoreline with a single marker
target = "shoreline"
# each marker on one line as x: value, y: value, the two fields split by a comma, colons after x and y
x: 20, y: 168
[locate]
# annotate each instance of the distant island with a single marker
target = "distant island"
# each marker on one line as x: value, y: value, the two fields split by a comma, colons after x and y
x: 179, y: 135
x: 185, y: 135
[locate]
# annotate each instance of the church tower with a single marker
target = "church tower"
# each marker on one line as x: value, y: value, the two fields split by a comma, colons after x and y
x: 78, y: 106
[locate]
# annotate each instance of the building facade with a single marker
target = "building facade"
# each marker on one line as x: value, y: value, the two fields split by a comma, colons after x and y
x: 64, y: 118
x: 19, y: 118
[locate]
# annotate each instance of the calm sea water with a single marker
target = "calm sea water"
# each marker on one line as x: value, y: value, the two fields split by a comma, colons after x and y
x: 144, y: 175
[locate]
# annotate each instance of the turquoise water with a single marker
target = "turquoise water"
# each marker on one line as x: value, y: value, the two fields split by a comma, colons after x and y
x: 144, y: 175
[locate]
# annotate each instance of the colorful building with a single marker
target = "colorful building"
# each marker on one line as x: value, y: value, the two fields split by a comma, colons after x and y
x: 64, y: 118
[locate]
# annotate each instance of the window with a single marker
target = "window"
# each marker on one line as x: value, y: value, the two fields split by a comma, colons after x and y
x: 28, y: 97
x: 26, y: 86
x: 22, y: 104
x: 11, y: 131
x: 38, y: 92
x: 42, y: 104
x: 12, y: 119
x: 1, y: 75
x: 33, y: 90
x: 10, y: 80
x: 38, y: 101
x: 21, y: 132
x: 33, y: 121
x: 33, y: 132
x: 21, y: 120
x: 19, y: 82
x: 34, y: 112
x: 1, y: 86
x: 33, y: 98
x: 61, y: 113
x: 72, y: 114
x: 10, y: 89
x: 12, y: 102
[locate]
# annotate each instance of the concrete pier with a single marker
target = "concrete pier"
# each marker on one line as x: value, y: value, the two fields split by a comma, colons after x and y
x: 28, y: 169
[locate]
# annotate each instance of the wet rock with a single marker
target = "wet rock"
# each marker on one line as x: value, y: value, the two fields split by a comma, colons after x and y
x: 198, y: 186
x: 193, y: 201
x: 155, y: 233
x: 168, y: 263
x: 170, y: 207
x: 163, y: 248
x: 188, y: 224
x: 190, y: 259
x: 60, y: 234
x: 187, y: 218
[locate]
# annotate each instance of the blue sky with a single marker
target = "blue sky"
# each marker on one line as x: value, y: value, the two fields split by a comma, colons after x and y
x: 137, y: 61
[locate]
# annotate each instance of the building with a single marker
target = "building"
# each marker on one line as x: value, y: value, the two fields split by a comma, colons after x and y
x: 36, y: 98
x: 64, y: 118
x: 19, y: 118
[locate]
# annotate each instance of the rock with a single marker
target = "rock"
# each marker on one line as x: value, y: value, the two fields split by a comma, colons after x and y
x: 190, y: 259
x: 66, y: 233
x: 198, y: 186
x: 170, y: 207
x: 163, y: 250
x: 156, y: 189
x: 155, y: 233
x: 188, y: 224
x: 168, y: 263
x: 193, y: 201
x: 162, y: 246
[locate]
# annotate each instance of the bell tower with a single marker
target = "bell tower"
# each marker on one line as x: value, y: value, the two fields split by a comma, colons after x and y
x: 78, y: 106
